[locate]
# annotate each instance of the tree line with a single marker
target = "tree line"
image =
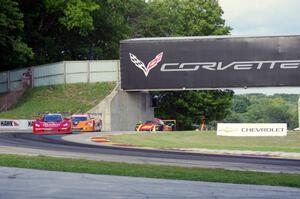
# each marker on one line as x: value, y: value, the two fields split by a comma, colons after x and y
x: 37, y: 32
x: 260, y: 108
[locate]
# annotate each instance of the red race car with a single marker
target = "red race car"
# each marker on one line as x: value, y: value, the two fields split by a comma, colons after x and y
x: 52, y: 124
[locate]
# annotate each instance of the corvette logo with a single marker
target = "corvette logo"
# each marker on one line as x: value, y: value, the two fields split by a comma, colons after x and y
x: 214, y: 66
x: 138, y: 63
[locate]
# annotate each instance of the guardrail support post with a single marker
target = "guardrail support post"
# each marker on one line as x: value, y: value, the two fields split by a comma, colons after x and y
x: 65, y: 72
x: 299, y: 112
x: 119, y: 72
x: 8, y: 81
x: 88, y: 71
x: 32, y: 76
x: 6, y: 103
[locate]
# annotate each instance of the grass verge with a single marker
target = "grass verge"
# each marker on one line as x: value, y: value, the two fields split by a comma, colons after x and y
x: 150, y: 171
x: 60, y: 98
x: 209, y: 140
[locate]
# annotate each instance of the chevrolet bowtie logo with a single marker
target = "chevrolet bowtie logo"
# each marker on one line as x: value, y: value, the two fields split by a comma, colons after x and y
x: 138, y: 63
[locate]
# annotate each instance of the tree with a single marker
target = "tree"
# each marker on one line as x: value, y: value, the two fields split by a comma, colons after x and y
x: 13, y: 50
x: 77, y: 14
x: 90, y: 29
x: 166, y: 18
x: 112, y: 24
x: 234, y: 118
x: 77, y: 29
x: 189, y: 107
x: 240, y: 104
x: 55, y: 29
x: 261, y: 108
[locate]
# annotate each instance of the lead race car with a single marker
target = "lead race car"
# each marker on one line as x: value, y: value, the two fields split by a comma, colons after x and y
x: 85, y: 122
x: 52, y: 124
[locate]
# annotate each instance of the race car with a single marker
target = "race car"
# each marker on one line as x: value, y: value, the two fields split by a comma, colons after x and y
x: 85, y: 123
x: 154, y: 125
x: 52, y: 124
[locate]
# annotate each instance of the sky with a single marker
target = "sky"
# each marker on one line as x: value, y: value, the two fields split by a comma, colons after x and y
x: 263, y: 17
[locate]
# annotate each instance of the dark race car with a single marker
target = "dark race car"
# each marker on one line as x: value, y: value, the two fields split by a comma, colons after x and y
x: 52, y: 124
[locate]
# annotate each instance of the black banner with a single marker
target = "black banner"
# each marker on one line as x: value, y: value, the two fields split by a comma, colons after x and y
x: 210, y: 62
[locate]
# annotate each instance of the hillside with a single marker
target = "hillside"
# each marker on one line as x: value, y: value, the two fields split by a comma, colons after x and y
x: 59, y: 98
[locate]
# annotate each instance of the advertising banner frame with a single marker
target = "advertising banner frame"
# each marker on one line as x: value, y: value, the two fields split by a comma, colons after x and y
x: 201, y: 63
x: 252, y: 129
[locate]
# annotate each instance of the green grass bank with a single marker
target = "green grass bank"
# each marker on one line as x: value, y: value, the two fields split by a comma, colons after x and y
x: 149, y: 171
x: 59, y: 98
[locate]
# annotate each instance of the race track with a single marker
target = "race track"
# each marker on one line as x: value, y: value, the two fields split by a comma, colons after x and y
x: 53, y: 145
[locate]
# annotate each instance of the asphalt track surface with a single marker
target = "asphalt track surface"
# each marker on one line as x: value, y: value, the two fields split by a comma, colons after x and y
x: 55, y: 144
x: 16, y: 183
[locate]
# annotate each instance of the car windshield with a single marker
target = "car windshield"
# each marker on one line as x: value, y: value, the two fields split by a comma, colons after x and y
x: 150, y: 122
x: 53, y: 118
x: 78, y: 119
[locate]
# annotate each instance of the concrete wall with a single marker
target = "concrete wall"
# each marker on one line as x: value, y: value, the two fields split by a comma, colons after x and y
x: 104, y: 107
x: 127, y: 108
x: 122, y: 110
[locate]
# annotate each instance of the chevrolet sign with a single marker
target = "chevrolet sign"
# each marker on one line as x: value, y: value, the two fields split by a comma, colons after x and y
x: 252, y: 129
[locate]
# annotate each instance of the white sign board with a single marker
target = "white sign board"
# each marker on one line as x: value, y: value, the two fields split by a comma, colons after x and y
x: 9, y: 123
x: 15, y: 124
x: 252, y: 129
x: 26, y: 124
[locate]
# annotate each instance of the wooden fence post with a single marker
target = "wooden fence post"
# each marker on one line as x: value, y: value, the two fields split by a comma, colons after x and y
x: 65, y: 72
x: 89, y: 72
x: 299, y: 112
x: 8, y: 81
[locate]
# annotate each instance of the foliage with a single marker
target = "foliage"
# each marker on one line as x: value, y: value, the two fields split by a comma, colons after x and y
x: 190, y: 107
x: 279, y: 108
x: 77, y: 14
x: 240, y: 104
x: 13, y: 50
x: 166, y: 18
x: 59, y: 30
